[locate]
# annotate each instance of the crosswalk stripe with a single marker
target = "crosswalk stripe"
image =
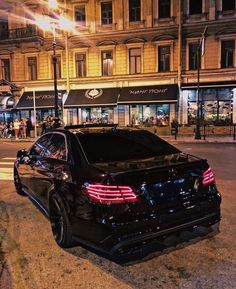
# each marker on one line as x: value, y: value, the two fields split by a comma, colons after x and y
x: 6, y: 163
x: 6, y: 174
x: 6, y: 169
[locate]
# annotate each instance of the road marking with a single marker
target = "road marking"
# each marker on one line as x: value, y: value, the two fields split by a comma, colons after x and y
x: 6, y: 174
x: 6, y: 168
x: 6, y: 163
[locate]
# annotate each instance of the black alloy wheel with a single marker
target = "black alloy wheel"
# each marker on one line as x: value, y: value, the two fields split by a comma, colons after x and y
x: 60, y: 224
x: 17, y: 184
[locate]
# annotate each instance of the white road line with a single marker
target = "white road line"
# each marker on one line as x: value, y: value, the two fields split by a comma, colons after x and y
x: 9, y: 158
x: 6, y: 174
x: 7, y: 163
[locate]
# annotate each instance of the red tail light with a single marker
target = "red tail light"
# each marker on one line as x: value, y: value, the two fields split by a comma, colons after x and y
x: 208, y: 177
x: 107, y: 194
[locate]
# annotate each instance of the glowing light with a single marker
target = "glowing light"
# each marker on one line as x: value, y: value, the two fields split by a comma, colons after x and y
x: 65, y: 24
x: 43, y: 22
x: 52, y: 4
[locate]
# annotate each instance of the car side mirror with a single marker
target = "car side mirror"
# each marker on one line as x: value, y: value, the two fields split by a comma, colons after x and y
x: 21, y: 153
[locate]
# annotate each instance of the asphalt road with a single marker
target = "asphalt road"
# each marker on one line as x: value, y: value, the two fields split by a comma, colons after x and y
x: 32, y: 260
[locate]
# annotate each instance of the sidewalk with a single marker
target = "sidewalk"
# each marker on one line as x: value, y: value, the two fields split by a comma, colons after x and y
x: 171, y: 139
x: 191, y: 139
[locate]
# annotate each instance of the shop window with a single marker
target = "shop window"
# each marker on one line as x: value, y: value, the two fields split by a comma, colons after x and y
x: 106, y: 13
x: 149, y: 115
x: 58, y: 66
x: 107, y: 63
x: 195, y: 7
x: 80, y: 15
x: 215, y: 106
x: 227, y: 53
x: 80, y: 62
x: 228, y: 5
x: 5, y: 64
x: 135, y: 60
x: 134, y: 10
x: 163, y: 58
x: 98, y: 115
x: 193, y: 58
x: 32, y: 68
x: 164, y: 8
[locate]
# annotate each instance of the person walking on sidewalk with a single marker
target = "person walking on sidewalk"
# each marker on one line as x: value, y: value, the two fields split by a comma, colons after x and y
x: 16, y: 125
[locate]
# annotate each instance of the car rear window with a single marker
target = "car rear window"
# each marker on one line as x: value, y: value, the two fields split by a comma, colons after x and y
x: 123, y: 145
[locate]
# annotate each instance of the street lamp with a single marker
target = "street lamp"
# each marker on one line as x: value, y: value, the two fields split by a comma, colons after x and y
x: 51, y: 22
x: 200, y: 52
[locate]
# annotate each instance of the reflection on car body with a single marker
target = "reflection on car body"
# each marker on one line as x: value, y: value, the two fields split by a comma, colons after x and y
x: 115, y: 189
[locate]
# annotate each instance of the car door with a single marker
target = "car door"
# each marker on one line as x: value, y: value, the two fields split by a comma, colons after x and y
x: 27, y: 164
x: 49, y: 167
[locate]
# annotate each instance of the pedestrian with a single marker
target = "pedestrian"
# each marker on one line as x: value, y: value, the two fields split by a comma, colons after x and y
x: 22, y: 128
x: 16, y: 126
x: 29, y: 127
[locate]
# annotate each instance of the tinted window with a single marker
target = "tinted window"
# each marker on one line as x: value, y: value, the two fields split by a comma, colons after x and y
x: 40, y: 145
x: 56, y: 148
x: 123, y: 145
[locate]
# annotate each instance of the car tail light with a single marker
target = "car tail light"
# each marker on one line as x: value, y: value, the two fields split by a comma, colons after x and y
x: 208, y: 177
x: 107, y: 194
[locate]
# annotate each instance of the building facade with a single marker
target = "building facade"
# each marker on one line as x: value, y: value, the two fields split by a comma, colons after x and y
x: 132, y: 61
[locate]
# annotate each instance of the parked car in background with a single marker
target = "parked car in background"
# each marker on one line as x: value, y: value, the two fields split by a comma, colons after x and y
x: 115, y: 189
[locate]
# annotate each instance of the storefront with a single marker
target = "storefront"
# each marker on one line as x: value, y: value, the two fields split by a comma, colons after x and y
x: 44, y: 104
x: 215, y: 104
x: 149, y: 105
x: 9, y: 93
x: 92, y: 106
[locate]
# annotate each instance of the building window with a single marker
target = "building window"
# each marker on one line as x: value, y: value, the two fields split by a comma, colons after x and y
x: 107, y: 63
x: 228, y: 5
x: 227, y: 53
x: 6, y: 69
x: 58, y: 66
x: 80, y: 62
x: 134, y: 60
x: 195, y: 7
x: 134, y: 10
x: 106, y: 13
x: 80, y: 16
x: 4, y: 32
x: 192, y: 62
x: 164, y: 8
x: 97, y: 115
x: 163, y: 58
x: 32, y: 68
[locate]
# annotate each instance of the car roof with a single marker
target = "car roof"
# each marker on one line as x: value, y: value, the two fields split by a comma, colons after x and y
x: 96, y: 128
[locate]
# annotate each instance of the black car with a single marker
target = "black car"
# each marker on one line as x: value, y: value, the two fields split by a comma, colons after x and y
x: 115, y: 189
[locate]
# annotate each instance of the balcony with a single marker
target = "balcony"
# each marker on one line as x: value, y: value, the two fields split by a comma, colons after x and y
x: 28, y: 33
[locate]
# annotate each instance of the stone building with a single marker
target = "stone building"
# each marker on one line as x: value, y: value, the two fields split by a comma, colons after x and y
x: 128, y: 61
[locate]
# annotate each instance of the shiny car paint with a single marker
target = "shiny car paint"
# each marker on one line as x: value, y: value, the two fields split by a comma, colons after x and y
x: 170, y: 192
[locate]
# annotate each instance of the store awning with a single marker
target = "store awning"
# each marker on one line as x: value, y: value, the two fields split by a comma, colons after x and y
x: 92, y: 97
x: 43, y: 99
x: 149, y: 94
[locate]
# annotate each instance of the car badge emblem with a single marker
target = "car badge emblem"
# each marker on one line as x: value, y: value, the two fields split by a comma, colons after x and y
x: 93, y: 93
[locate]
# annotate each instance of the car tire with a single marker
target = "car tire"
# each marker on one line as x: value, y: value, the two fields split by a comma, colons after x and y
x: 60, y: 223
x: 17, y: 184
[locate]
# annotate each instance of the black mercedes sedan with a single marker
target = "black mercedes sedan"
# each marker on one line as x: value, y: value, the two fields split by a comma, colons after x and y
x: 115, y: 189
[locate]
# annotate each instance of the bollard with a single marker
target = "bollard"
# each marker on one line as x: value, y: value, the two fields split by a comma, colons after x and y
x: 234, y: 131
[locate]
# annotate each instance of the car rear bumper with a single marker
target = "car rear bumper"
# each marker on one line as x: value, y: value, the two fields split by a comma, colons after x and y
x: 125, y: 245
